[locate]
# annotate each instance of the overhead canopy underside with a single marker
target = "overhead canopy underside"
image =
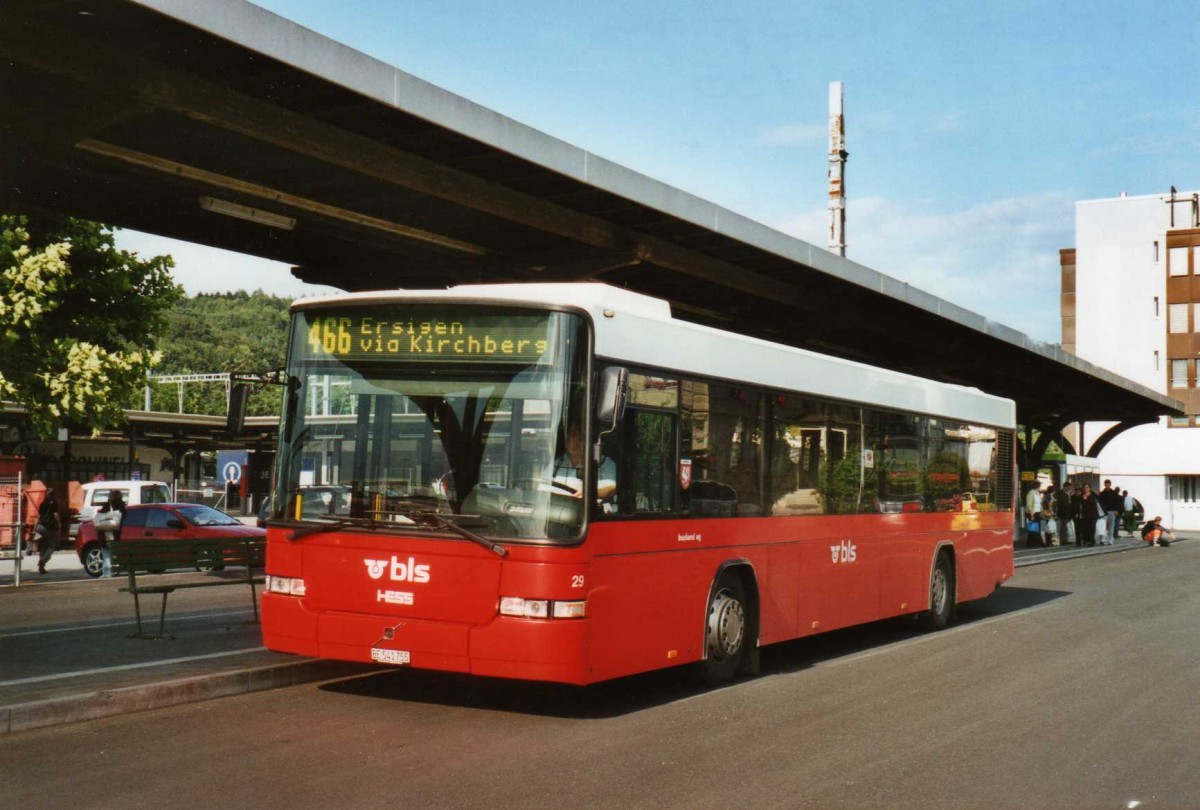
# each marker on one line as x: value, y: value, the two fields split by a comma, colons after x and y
x: 130, y: 112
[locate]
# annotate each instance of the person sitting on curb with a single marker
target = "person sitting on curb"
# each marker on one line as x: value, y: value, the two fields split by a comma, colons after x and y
x: 1154, y: 533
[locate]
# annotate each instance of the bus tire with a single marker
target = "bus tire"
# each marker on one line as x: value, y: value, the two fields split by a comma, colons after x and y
x: 726, y: 629
x: 941, y: 594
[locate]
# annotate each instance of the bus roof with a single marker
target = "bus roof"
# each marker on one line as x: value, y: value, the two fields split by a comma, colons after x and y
x: 637, y: 329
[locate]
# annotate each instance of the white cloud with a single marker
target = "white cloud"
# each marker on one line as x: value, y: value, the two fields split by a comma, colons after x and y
x: 206, y: 269
x: 999, y: 259
x: 954, y: 121
x: 793, y: 135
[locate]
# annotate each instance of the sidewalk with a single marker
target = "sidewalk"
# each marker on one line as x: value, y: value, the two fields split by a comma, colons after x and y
x: 1036, y: 556
x: 66, y: 651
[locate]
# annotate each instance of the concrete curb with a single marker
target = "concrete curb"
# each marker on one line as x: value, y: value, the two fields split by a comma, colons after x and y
x: 1091, y: 551
x: 106, y: 703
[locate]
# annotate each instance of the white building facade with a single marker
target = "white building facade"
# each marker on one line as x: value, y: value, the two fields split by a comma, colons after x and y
x: 1131, y: 303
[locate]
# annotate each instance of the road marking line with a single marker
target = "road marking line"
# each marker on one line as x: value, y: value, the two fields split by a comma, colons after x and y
x: 72, y: 628
x: 125, y: 667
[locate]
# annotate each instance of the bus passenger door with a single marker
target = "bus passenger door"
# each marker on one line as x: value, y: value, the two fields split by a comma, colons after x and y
x: 646, y: 479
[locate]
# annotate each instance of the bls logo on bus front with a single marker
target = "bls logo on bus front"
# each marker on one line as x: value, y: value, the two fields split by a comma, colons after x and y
x: 406, y: 571
x: 844, y: 552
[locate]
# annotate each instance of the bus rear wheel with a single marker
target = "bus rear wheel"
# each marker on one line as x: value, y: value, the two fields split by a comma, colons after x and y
x: 941, y: 595
x: 725, y: 630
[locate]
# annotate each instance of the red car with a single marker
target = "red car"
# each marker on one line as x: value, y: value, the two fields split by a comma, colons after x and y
x: 162, y: 521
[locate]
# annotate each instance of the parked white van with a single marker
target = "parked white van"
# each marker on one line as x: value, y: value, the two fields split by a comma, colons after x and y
x: 96, y: 494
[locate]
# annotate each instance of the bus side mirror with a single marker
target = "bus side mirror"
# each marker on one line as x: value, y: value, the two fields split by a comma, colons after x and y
x: 236, y: 418
x: 610, y: 397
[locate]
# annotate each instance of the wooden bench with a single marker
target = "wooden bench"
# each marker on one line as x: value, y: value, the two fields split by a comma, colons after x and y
x: 133, y: 557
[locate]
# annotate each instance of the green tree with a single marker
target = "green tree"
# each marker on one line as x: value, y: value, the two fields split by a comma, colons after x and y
x: 214, y: 333
x: 79, y: 319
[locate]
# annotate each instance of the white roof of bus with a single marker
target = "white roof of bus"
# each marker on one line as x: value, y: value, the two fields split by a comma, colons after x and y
x: 639, y: 330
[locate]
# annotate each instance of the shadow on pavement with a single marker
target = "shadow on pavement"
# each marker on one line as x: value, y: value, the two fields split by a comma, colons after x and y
x: 627, y: 695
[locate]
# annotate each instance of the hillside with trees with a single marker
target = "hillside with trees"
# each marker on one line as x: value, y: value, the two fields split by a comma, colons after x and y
x: 211, y: 333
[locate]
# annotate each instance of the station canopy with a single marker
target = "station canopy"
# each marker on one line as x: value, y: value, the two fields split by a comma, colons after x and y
x: 226, y: 125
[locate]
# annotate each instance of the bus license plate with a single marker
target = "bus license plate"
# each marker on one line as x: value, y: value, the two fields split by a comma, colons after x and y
x: 389, y: 656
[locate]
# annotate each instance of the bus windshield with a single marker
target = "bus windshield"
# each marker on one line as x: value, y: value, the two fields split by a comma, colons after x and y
x: 443, y: 416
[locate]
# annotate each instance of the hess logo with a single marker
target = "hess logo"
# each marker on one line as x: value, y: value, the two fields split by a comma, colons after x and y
x: 399, y: 571
x: 844, y: 552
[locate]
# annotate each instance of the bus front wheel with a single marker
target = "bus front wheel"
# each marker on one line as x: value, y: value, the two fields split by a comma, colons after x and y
x: 725, y: 629
x: 941, y: 594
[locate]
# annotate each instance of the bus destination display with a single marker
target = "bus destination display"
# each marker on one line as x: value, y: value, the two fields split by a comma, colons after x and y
x: 430, y: 336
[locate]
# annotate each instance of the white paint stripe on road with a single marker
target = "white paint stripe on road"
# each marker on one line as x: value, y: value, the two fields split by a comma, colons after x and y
x: 95, y: 626
x: 80, y: 673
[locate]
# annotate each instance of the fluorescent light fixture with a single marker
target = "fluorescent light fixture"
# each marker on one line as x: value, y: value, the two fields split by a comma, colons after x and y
x: 232, y: 209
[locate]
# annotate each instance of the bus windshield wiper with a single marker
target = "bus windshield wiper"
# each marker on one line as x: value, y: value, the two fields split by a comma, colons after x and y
x: 462, y: 531
x: 331, y: 526
x: 421, y: 518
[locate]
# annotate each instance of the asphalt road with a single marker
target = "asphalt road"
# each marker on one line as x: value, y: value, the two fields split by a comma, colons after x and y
x: 1076, y: 686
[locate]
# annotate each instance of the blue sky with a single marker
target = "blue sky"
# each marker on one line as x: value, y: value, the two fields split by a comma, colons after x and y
x: 972, y: 127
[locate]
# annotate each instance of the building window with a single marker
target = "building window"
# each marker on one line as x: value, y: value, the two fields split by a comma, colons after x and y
x: 1179, y: 373
x: 1184, y: 488
x: 1156, y: 359
x: 1177, y: 319
x: 1156, y: 306
x: 1179, y: 421
x: 1156, y: 251
x: 1177, y: 261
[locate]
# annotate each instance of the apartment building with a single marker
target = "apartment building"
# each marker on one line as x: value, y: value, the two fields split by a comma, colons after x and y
x: 1131, y: 303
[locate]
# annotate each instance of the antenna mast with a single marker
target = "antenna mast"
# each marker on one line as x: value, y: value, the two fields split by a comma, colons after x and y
x: 837, y: 171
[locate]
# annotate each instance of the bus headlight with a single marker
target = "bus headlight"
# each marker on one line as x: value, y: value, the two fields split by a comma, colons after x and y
x: 288, y: 586
x: 541, y: 608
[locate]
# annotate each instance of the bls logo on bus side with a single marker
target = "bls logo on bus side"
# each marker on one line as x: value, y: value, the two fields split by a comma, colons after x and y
x: 844, y: 552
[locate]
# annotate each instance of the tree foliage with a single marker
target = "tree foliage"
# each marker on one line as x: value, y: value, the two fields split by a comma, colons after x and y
x: 79, y: 320
x: 210, y: 333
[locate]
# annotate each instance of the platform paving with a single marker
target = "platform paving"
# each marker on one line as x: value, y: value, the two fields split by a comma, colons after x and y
x: 67, y: 651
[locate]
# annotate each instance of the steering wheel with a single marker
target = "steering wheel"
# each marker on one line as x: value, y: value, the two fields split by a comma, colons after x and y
x: 535, y: 483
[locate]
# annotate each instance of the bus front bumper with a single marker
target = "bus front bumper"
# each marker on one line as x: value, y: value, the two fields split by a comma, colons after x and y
x: 506, y: 647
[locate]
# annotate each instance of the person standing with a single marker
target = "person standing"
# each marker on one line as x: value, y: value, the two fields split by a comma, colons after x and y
x: 47, y: 529
x: 116, y: 503
x: 1077, y: 515
x: 1129, y: 512
x: 1049, y: 517
x: 1110, y: 502
x: 1065, y: 508
x: 1089, y: 514
x: 1033, y: 512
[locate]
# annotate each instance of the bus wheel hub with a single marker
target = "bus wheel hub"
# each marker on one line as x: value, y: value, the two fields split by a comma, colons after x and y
x: 726, y: 626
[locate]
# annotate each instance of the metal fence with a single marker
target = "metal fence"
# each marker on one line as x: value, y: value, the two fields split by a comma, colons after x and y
x: 12, y: 522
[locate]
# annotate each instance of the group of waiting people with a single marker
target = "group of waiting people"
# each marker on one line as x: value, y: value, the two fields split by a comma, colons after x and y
x: 1085, y: 518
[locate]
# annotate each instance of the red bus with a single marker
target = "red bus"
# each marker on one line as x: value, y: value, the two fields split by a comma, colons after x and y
x: 562, y: 482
